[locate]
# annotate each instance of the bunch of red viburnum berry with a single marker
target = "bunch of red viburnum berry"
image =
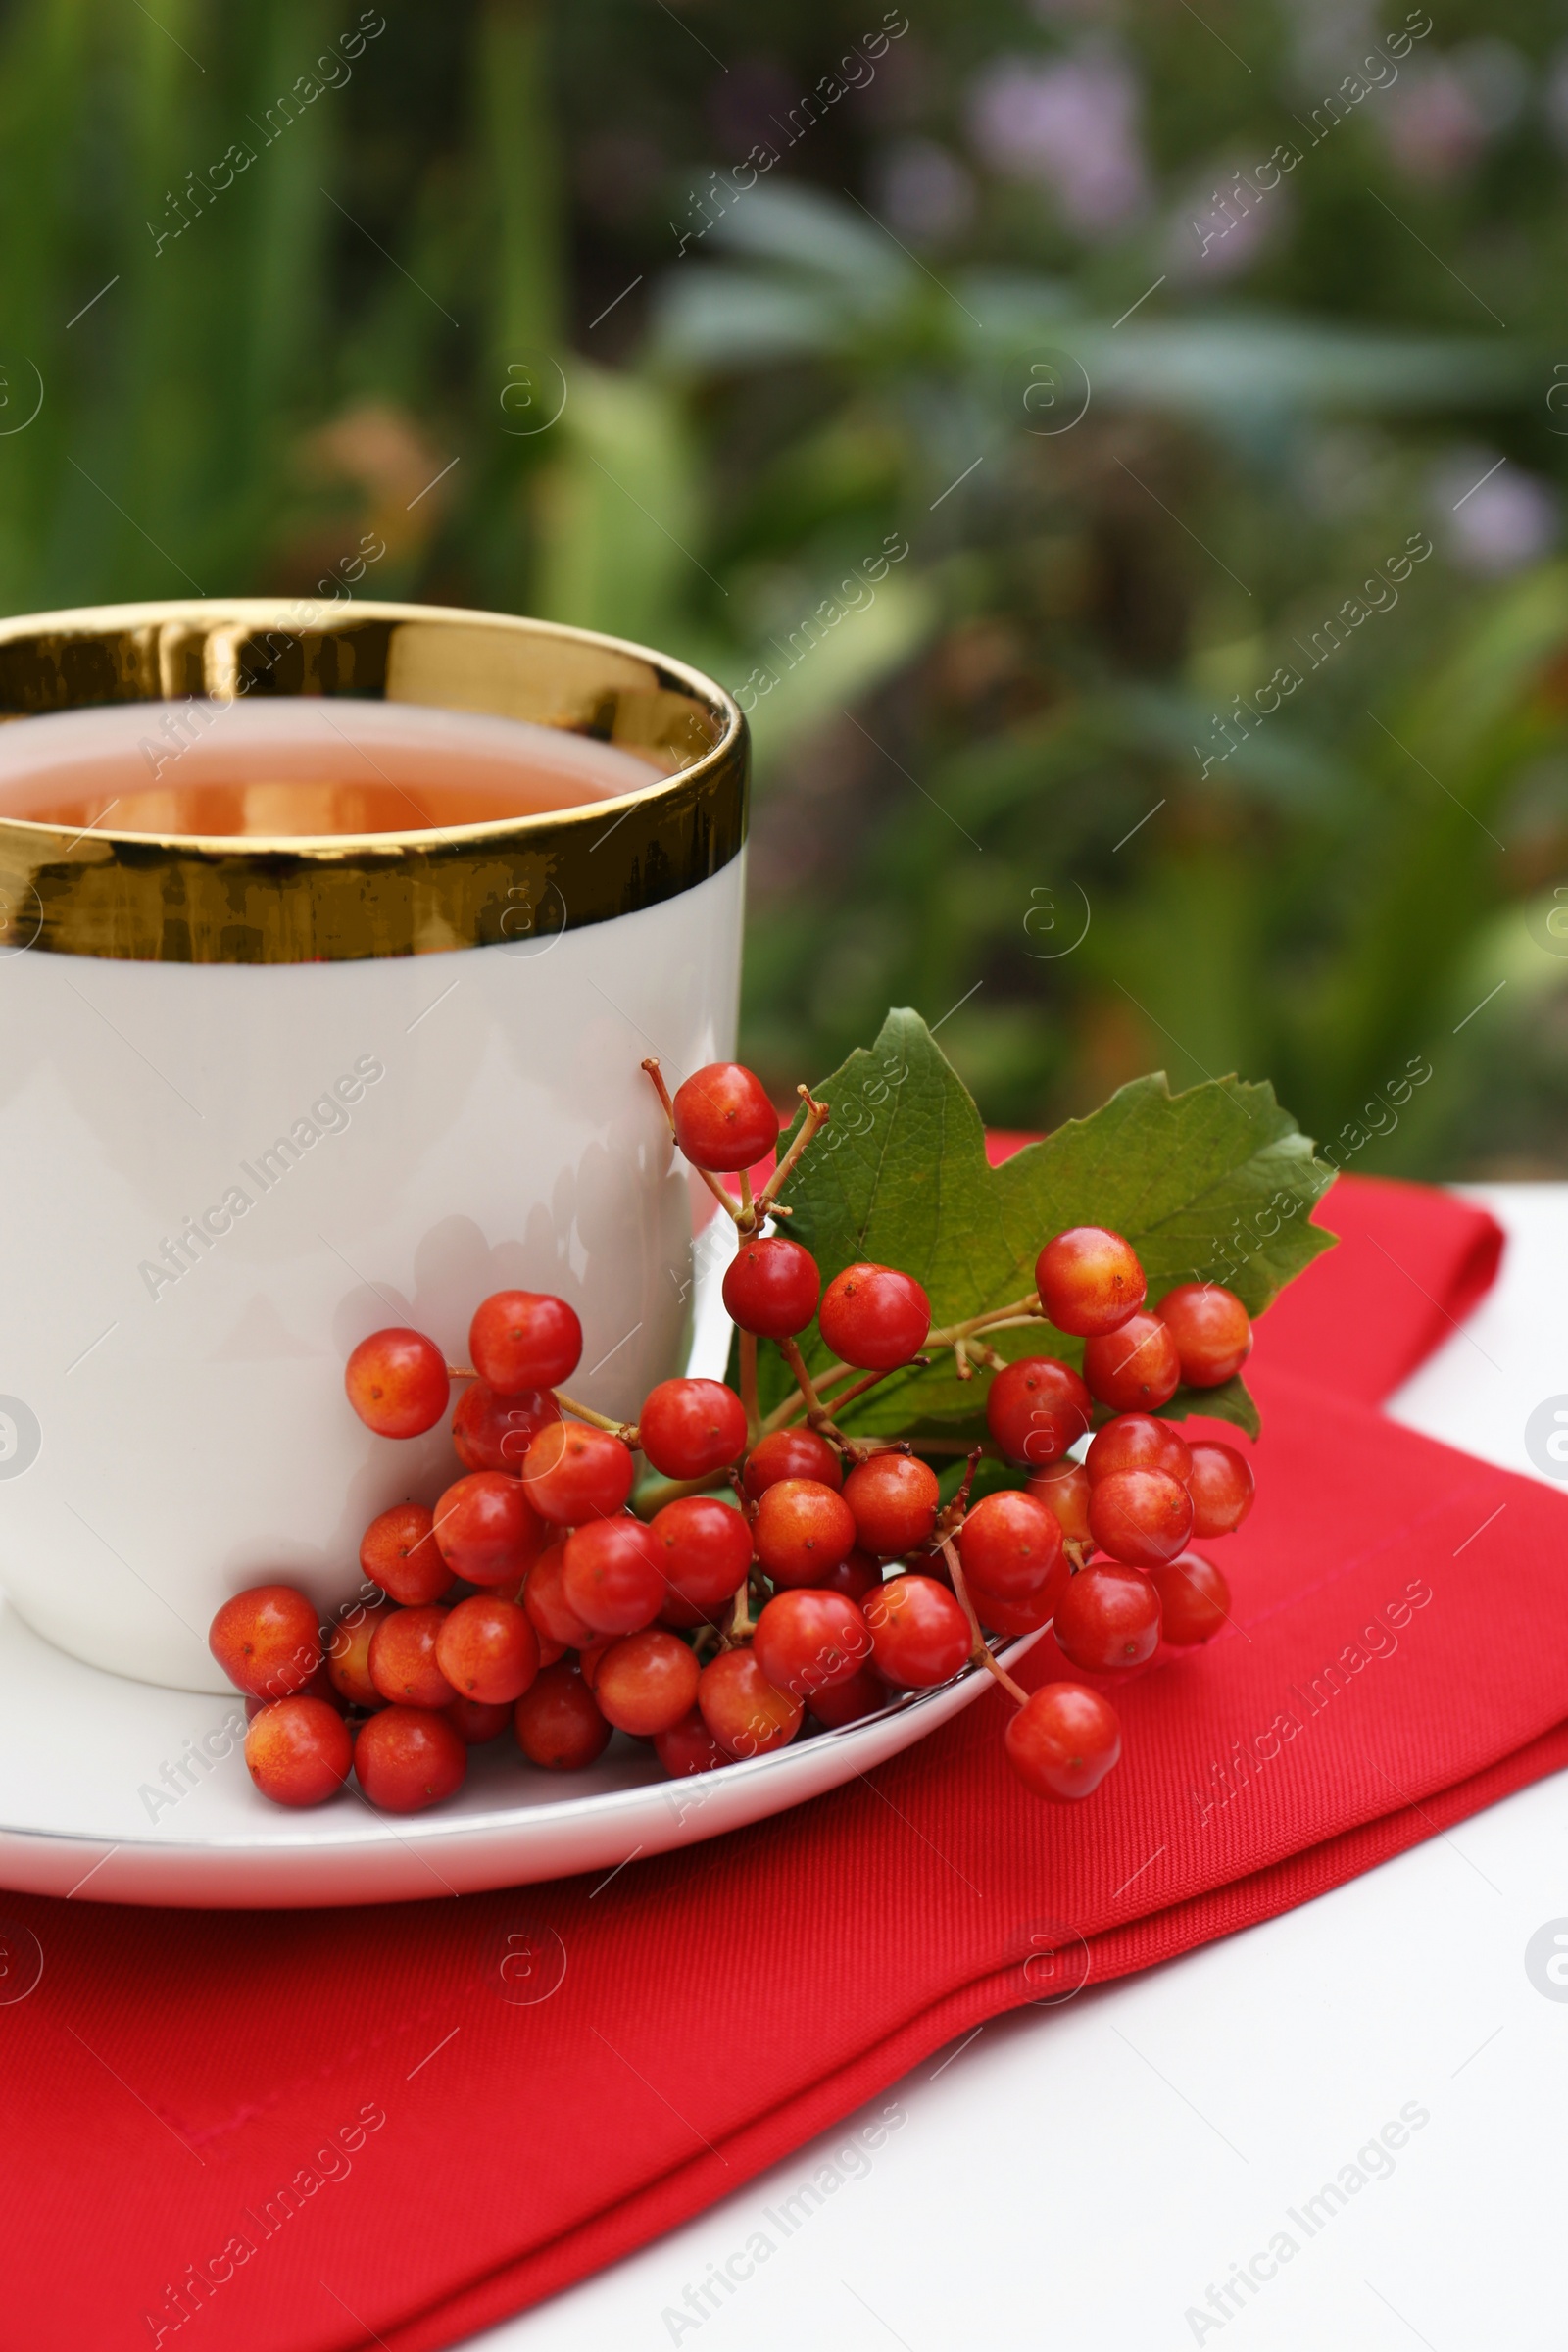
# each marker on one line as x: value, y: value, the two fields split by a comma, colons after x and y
x: 825, y: 1576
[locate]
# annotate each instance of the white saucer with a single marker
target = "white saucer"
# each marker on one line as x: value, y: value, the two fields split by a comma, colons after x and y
x: 104, y: 1796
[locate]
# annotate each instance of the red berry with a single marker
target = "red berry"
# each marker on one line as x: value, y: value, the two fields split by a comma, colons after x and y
x: 544, y: 1598
x: 268, y: 1640
x: 1194, y: 1600
x: 475, y: 1722
x: 724, y: 1119
x: 740, y: 1707
x: 347, y: 1652
x: 1136, y: 1368
x: 1212, y: 1331
x: 1011, y: 1546
x: 1090, y: 1281
x: 874, y: 1317
x: 1036, y: 1408
x: 1064, y: 1489
x: 319, y: 1685
x: 707, y: 1549
x: 894, y: 1498
x: 488, y: 1649
x: 574, y: 1473
x: 772, y: 1287
x: 919, y: 1634
x: 589, y: 1657
x: 859, y: 1695
x: 646, y: 1684
x: 1064, y: 1741
x: 399, y: 1552
x: 407, y: 1758
x: 614, y: 1576
x: 688, y: 1428
x: 486, y: 1529
x: 524, y: 1340
x: 404, y: 1666
x: 298, y: 1751
x: 492, y: 1432
x: 801, y: 1530
x: 806, y: 1642
x: 1220, y: 1484
x: 1138, y: 1441
x: 1141, y: 1516
x: 688, y: 1747
x: 790, y: 1453
x: 683, y: 1615
x: 558, y: 1721
x: 398, y: 1382
x: 1017, y: 1616
x: 1108, y: 1617
x: 853, y: 1577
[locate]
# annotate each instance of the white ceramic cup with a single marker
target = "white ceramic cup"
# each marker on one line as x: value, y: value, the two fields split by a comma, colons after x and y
x: 260, y: 1097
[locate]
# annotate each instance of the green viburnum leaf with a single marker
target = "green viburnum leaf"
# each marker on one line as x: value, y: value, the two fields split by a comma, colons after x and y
x: 1216, y: 1184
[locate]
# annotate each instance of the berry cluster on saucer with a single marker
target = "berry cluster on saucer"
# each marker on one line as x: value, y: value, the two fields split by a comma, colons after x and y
x: 719, y: 1582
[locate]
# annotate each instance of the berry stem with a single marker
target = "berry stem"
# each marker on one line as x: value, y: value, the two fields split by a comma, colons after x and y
x: 784, y: 1414
x: 993, y: 1318
x: 949, y: 1553
x: 817, y: 1412
x: 657, y: 1075
x: 753, y: 1418
x: 956, y: 1445
x: 981, y: 1654
x: 951, y: 1516
x: 1016, y: 1313
x: 460, y: 1372
x: 651, y: 1065
x: 648, y: 1501
x: 846, y: 1395
x: 720, y: 1196
x: 1002, y: 1322
x: 1016, y: 1690
x: 997, y: 1318
x: 626, y: 1431
x: 817, y: 1116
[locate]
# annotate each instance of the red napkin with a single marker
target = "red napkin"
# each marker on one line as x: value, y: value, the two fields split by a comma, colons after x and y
x: 451, y: 2157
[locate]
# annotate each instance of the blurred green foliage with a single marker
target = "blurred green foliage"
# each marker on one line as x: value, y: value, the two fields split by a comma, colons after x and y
x: 1007, y: 402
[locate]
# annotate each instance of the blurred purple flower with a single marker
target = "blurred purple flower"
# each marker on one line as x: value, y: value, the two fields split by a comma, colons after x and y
x: 1493, y: 516
x: 1071, y: 126
x: 923, y: 191
x: 1441, y: 112
x: 1222, y: 232
x: 1433, y: 125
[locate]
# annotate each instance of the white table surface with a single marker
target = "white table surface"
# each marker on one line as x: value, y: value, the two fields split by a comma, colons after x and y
x: 1082, y: 2176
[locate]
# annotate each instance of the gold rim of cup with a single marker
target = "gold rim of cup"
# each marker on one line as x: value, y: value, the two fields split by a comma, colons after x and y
x: 227, y: 899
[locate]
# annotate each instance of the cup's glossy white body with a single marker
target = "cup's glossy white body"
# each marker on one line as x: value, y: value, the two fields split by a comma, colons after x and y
x: 456, y: 1123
